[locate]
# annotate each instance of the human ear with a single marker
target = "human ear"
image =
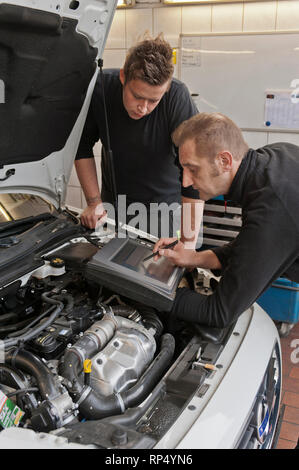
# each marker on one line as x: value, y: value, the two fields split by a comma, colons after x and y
x: 122, y: 76
x: 225, y: 160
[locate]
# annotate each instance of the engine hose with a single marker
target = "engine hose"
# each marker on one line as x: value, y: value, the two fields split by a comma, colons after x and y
x: 68, y: 299
x: 72, y: 363
x: 15, y: 327
x: 94, y: 406
x: 151, y: 320
x: 12, y: 378
x: 131, y: 416
x: 140, y: 390
x: 31, y: 364
x: 29, y: 324
x: 7, y: 317
x: 16, y: 380
x: 123, y: 310
x: 33, y: 332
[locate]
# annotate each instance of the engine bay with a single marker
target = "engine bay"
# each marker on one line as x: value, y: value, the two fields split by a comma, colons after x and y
x: 86, y: 363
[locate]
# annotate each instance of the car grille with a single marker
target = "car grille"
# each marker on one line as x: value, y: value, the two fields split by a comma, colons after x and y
x: 260, y: 428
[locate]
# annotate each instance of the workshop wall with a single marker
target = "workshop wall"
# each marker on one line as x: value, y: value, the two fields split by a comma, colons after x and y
x: 130, y: 24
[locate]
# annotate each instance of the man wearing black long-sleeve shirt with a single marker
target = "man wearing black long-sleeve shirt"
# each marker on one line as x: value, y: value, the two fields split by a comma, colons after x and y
x: 265, y: 183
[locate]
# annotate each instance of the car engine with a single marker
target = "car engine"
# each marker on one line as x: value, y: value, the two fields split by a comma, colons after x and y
x: 80, y: 360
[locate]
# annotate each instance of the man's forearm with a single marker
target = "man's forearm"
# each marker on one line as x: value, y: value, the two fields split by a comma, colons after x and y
x: 207, y: 260
x: 191, y: 218
x: 87, y: 175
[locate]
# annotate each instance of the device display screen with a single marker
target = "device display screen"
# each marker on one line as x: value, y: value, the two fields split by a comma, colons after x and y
x: 132, y: 256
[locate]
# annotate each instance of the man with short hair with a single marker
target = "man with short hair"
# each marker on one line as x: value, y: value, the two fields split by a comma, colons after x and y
x: 144, y: 106
x: 265, y: 183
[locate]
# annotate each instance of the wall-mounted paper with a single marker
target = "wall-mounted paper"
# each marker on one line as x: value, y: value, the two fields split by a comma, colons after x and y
x: 191, y: 52
x: 281, y: 109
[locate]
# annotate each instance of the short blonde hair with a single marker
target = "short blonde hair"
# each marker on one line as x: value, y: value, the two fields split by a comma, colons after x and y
x: 212, y: 133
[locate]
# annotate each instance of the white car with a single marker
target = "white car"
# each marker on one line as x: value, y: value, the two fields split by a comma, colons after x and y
x: 89, y: 354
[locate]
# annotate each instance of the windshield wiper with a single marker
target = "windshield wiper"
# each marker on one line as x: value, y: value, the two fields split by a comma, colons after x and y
x: 13, y: 226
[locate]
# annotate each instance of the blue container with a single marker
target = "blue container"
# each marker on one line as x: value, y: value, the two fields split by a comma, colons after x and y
x: 281, y: 301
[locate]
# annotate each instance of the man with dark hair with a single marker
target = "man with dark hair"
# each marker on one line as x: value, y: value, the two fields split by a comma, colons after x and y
x: 265, y: 183
x: 144, y: 106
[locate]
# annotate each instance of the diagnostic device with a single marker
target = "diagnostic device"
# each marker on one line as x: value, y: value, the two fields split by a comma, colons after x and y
x: 121, y: 266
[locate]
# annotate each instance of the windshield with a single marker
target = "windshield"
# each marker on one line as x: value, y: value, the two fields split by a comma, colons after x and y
x: 20, y: 206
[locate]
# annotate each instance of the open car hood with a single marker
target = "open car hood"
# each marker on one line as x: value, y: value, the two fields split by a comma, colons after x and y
x: 48, y: 68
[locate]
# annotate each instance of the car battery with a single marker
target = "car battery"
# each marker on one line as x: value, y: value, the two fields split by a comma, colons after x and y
x: 281, y: 301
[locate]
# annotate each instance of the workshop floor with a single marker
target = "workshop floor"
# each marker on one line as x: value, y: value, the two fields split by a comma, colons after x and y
x: 289, y: 432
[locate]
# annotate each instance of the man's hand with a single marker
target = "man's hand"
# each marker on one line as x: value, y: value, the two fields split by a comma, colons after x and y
x: 93, y: 215
x: 87, y: 175
x: 186, y: 258
x: 178, y: 255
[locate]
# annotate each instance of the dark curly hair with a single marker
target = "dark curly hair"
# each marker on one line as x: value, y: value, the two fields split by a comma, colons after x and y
x: 150, y: 60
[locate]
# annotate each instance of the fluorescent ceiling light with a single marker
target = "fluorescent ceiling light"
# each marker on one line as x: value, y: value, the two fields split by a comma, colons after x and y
x: 207, y: 51
x: 125, y: 3
x: 172, y: 2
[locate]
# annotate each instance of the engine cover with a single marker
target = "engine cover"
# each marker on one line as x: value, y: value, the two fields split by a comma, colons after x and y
x: 119, y: 365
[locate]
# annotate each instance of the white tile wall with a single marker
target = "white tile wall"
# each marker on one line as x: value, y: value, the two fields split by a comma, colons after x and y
x: 227, y: 19
x: 288, y: 14
x: 73, y: 196
x: 74, y: 181
x: 117, y: 34
x: 196, y: 19
x: 168, y: 20
x: 114, y: 58
x: 137, y: 23
x: 283, y: 137
x: 98, y: 167
x: 260, y: 16
x: 97, y: 149
x: 129, y: 24
x: 255, y: 140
